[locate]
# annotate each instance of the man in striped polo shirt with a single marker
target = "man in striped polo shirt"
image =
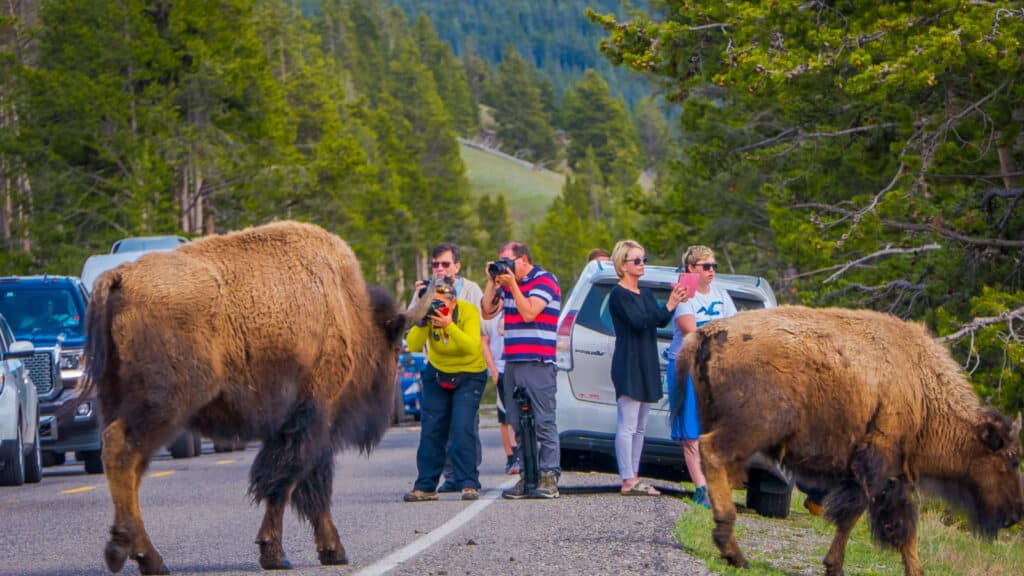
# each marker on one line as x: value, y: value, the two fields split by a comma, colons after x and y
x: 531, y: 298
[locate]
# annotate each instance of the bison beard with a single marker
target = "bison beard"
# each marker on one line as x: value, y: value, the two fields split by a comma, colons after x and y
x: 859, y: 402
x: 269, y: 333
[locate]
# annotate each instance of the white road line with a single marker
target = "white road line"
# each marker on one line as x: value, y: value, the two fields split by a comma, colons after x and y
x: 386, y: 564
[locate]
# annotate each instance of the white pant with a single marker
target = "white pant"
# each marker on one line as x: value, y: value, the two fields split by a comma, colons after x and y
x: 629, y: 435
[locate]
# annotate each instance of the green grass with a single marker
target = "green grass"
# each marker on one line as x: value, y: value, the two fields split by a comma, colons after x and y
x: 796, y: 545
x: 528, y: 192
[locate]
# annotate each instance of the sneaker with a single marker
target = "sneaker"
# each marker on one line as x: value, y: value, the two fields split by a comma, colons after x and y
x: 700, y: 497
x: 547, y: 486
x: 517, y: 492
x: 447, y: 486
x: 470, y: 494
x: 419, y: 496
x: 813, y: 507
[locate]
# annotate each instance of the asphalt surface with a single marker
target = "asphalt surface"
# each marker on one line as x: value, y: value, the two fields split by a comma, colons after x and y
x: 200, y: 518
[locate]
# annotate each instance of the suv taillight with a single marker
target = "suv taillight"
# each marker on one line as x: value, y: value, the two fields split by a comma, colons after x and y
x: 563, y: 350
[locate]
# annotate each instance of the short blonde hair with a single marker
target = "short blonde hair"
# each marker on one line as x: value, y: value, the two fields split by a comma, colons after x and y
x: 695, y: 253
x: 622, y: 247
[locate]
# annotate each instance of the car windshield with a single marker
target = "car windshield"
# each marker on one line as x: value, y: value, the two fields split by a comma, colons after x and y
x: 148, y: 243
x: 35, y: 311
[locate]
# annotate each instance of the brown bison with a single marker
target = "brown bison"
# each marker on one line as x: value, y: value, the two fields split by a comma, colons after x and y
x: 860, y: 403
x: 270, y: 334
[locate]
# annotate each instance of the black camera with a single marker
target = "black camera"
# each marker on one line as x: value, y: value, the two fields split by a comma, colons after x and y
x: 438, y: 308
x: 501, y: 266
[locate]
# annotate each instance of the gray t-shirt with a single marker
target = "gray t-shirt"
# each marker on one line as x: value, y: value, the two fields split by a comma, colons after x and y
x: 494, y: 329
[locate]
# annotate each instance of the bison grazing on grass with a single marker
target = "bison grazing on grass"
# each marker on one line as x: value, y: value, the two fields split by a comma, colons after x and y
x: 269, y: 333
x: 858, y: 402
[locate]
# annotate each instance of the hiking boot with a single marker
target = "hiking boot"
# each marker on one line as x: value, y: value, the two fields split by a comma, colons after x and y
x: 419, y: 496
x: 547, y: 486
x: 517, y: 492
x: 700, y: 497
x: 470, y: 494
x: 447, y: 486
x: 813, y: 507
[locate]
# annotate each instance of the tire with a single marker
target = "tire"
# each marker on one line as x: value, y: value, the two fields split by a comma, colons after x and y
x: 34, y: 463
x: 54, y: 459
x: 93, y: 460
x: 13, y: 473
x: 198, y: 444
x: 183, y: 446
x: 767, y: 495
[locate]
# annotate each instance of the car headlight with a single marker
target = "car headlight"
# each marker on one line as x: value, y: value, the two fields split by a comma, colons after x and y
x: 71, y: 360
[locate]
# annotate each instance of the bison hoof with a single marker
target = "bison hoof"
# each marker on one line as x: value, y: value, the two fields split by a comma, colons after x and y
x: 736, y: 560
x: 331, y: 557
x: 115, y: 554
x: 279, y: 563
x: 149, y: 565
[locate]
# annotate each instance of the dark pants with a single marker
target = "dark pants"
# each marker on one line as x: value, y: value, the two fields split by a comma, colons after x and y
x: 538, y: 379
x: 454, y: 413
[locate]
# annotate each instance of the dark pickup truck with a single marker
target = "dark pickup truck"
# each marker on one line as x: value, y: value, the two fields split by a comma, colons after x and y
x: 49, y: 311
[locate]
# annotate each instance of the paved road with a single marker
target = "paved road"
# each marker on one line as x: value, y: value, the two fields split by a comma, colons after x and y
x: 200, y: 518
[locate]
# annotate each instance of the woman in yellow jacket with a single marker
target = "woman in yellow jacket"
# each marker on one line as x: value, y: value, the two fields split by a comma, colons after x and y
x: 453, y: 382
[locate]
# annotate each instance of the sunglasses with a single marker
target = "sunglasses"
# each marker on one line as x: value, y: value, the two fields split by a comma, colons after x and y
x: 436, y: 264
x: 706, y: 266
x: 638, y: 261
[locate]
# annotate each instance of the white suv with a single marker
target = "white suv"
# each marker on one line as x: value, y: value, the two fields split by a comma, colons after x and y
x: 586, y: 412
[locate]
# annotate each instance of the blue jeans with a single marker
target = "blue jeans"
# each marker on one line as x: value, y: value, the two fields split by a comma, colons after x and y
x: 449, y: 413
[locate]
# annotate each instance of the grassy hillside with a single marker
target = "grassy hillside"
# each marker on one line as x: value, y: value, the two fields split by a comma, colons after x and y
x: 528, y: 192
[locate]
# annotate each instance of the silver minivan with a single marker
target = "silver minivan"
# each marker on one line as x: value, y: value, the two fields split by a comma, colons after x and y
x: 586, y: 413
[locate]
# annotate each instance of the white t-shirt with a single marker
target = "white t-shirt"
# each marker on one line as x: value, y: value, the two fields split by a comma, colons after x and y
x: 714, y: 305
x: 495, y: 330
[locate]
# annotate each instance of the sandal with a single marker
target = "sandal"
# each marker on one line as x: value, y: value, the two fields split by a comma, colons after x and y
x: 641, y: 489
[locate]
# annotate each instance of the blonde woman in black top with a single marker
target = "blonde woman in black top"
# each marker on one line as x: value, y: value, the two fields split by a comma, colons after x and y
x: 636, y: 316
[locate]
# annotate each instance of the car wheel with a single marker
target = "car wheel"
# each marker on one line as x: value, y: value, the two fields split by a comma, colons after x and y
x: 54, y: 459
x: 93, y: 460
x: 767, y: 495
x: 183, y: 446
x: 13, y: 473
x: 198, y: 440
x: 34, y: 463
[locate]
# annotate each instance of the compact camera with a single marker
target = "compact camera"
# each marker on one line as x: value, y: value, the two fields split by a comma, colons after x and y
x: 438, y: 308
x: 501, y: 266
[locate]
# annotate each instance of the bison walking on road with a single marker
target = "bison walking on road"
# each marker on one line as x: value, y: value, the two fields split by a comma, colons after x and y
x: 269, y: 333
x: 861, y: 403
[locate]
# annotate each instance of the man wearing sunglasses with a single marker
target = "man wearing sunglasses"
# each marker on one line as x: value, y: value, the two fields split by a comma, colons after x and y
x: 530, y: 298
x: 445, y: 263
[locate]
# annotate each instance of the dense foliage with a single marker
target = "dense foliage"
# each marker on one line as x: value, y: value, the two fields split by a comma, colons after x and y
x: 867, y: 153
x: 554, y: 36
x: 132, y: 118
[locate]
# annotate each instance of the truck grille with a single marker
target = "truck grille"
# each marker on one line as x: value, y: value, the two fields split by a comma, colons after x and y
x: 40, y: 368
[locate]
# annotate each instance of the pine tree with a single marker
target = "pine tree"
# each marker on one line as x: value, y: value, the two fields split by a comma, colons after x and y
x: 523, y: 125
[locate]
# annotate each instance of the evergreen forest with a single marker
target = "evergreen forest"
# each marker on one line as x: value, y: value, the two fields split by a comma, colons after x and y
x: 853, y: 153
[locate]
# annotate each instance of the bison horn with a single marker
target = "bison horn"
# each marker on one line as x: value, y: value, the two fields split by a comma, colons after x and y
x: 416, y: 314
x: 1015, y: 429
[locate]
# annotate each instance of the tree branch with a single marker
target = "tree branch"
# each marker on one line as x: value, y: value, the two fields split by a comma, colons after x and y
x: 883, y: 252
x: 1007, y: 316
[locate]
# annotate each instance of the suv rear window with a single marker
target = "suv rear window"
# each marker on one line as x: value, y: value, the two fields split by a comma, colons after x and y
x: 594, y: 313
x: 48, y: 310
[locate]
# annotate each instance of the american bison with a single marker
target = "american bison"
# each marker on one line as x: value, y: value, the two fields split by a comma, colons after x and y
x: 269, y: 333
x: 860, y: 403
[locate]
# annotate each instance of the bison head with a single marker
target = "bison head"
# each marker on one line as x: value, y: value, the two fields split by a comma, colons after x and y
x: 997, y: 491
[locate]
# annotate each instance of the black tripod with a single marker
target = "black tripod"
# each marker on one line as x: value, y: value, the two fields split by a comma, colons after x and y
x: 528, y: 439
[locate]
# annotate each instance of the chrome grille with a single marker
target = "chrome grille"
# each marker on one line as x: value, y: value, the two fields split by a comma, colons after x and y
x: 40, y: 368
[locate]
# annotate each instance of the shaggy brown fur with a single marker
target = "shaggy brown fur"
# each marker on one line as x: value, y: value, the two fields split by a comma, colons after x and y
x: 270, y: 334
x: 861, y: 403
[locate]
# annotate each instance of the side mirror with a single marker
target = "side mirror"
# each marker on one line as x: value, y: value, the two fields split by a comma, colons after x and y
x: 21, y: 349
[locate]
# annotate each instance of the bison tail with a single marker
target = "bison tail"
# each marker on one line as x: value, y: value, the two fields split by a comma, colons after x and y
x: 685, y: 365
x: 99, y: 342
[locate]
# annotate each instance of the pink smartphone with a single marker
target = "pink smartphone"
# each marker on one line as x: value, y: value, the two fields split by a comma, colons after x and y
x: 689, y: 280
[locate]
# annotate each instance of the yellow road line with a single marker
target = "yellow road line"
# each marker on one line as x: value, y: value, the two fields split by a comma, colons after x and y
x: 161, y: 474
x: 78, y: 490
x: 227, y: 461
